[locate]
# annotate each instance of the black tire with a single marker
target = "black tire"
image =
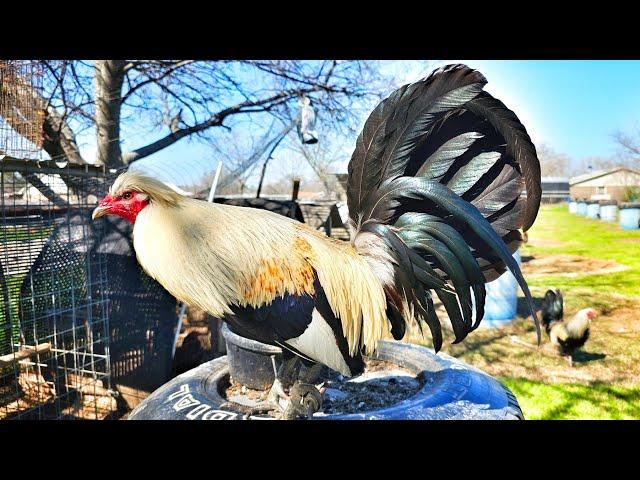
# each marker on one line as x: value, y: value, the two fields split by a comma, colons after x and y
x: 452, y: 390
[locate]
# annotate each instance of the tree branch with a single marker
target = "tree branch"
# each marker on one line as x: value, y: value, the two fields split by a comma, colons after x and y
x: 59, y: 141
x: 214, y: 121
x: 149, y: 80
x: 627, y: 142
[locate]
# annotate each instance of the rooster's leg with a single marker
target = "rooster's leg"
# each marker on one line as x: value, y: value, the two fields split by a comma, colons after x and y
x: 284, y: 377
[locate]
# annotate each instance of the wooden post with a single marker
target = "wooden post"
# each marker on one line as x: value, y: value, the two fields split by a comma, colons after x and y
x: 264, y: 169
x: 25, y: 352
x: 296, y: 189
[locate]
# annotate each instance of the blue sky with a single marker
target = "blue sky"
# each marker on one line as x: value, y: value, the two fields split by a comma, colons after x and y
x: 573, y: 106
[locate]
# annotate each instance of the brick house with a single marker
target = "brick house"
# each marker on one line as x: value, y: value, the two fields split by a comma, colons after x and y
x: 608, y: 184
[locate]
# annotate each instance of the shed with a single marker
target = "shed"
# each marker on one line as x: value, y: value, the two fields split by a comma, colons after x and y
x: 610, y: 184
x: 287, y: 208
x: 554, y: 189
x: 325, y: 216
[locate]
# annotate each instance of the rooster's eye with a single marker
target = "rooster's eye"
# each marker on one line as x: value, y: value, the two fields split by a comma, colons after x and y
x: 127, y: 195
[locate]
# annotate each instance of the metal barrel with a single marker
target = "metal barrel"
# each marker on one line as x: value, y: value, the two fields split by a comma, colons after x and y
x: 502, y: 299
x: 630, y: 216
x: 608, y: 211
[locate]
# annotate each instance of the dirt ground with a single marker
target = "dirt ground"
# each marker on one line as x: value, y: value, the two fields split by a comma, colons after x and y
x: 567, y: 265
x: 610, y: 355
x: 87, y: 400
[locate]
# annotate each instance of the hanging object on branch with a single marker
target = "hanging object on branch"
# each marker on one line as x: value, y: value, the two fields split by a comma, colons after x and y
x: 306, y: 122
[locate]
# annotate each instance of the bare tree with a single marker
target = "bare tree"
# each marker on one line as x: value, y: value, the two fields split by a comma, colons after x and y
x: 553, y: 163
x: 628, y: 148
x: 240, y: 151
x: 324, y: 156
x: 177, y: 99
x: 588, y: 164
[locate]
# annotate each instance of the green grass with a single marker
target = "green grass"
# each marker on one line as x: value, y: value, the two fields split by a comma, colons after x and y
x: 597, y: 401
x: 604, y: 397
x: 571, y: 234
x: 13, y: 233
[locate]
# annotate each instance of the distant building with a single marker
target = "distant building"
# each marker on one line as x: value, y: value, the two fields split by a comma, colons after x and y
x: 554, y: 189
x: 608, y: 184
x: 327, y: 216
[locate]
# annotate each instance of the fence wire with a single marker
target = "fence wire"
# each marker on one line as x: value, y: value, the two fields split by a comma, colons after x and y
x: 54, y: 330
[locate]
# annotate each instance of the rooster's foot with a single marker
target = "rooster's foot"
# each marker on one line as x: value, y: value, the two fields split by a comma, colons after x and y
x: 306, y: 399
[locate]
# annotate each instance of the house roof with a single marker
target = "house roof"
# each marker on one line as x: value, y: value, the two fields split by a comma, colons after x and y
x: 554, y: 180
x: 599, y: 173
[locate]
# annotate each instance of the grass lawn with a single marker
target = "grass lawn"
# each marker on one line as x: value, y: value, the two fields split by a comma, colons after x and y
x: 557, y: 231
x: 604, y: 383
x: 596, y: 401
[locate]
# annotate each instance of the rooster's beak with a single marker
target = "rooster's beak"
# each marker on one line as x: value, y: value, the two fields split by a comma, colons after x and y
x: 100, y: 211
x: 103, y: 208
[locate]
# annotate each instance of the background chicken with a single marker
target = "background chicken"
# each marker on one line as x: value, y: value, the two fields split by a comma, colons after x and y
x: 552, y: 308
x: 442, y: 184
x: 568, y: 335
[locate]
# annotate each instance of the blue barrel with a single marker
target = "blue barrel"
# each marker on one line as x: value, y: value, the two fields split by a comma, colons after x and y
x: 630, y: 216
x: 593, y: 210
x: 582, y: 208
x: 502, y: 299
x: 608, y: 211
x: 573, y: 207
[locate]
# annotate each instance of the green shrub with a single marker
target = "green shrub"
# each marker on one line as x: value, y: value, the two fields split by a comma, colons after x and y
x: 631, y: 194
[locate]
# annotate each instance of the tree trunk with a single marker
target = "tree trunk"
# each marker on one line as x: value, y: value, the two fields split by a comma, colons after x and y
x: 109, y: 79
x: 59, y: 141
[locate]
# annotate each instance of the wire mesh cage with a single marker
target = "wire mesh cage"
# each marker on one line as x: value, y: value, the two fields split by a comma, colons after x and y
x: 84, y: 332
x: 73, y: 343
x: 54, y: 334
x: 21, y: 109
x: 54, y: 326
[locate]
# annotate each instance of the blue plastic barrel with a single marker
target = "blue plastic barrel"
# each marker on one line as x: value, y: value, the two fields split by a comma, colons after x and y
x: 630, y: 216
x: 608, y: 212
x: 573, y: 207
x: 582, y: 208
x: 502, y: 299
x: 593, y: 210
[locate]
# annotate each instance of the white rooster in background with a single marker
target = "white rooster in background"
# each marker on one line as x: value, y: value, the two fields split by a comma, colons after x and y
x: 569, y: 335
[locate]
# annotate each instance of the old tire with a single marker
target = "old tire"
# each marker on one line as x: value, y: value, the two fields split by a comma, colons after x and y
x: 452, y: 390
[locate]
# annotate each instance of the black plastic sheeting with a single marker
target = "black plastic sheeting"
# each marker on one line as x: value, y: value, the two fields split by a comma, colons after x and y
x: 287, y: 208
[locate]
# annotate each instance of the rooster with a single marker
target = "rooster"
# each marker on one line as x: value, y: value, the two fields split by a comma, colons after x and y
x: 443, y: 182
x: 552, y: 308
x: 568, y: 335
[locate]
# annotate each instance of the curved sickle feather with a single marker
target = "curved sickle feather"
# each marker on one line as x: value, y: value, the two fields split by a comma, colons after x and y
x: 414, y: 187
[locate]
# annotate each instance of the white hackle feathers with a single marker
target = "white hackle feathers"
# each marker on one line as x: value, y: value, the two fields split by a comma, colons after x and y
x: 214, y: 256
